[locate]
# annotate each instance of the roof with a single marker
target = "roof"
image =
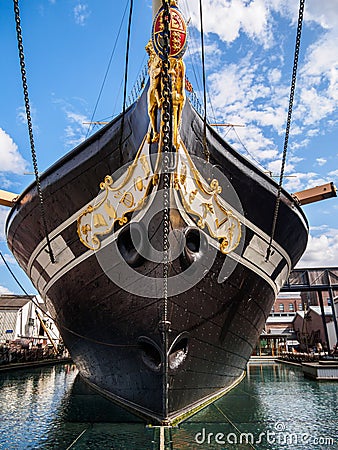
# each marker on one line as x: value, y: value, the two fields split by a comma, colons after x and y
x: 317, y: 310
x: 288, y: 296
x: 281, y: 319
x: 14, y: 301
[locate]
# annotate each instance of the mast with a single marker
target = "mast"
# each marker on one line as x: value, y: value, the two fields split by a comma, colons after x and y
x: 156, y: 6
x: 158, y: 3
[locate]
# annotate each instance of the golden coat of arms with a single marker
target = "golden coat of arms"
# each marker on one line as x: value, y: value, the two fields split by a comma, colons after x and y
x: 178, y: 33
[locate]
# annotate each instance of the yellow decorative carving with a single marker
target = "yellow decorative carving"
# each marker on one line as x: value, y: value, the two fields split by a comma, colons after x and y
x: 219, y: 224
x: 215, y: 187
x: 192, y: 196
x: 154, y: 91
x: 127, y: 199
x: 183, y: 176
x: 99, y: 221
x: 145, y: 165
x: 138, y: 183
x: 177, y: 71
x: 117, y: 199
x: 177, y: 74
x: 203, y: 203
x: 110, y: 210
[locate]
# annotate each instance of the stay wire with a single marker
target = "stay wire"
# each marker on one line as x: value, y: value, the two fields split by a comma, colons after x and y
x: 13, y: 275
x: 126, y: 78
x: 246, y: 149
x: 107, y: 71
x: 205, y: 145
x: 30, y: 126
x: 231, y: 423
x: 288, y: 124
x: 52, y: 318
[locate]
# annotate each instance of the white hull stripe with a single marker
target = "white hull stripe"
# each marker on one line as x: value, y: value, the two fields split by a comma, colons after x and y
x: 254, y: 265
x: 260, y: 238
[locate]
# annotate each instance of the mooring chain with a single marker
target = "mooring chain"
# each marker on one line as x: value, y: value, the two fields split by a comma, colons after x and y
x: 166, y: 149
x: 288, y: 123
x: 30, y: 126
x: 166, y: 141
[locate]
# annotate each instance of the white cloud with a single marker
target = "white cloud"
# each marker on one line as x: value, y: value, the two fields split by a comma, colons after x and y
x: 321, y: 251
x: 75, y: 131
x: 3, y: 217
x: 300, y: 181
x: 4, y: 291
x: 81, y: 13
x: 10, y: 158
x: 228, y: 18
x: 255, y: 89
x: 9, y: 258
x: 321, y: 161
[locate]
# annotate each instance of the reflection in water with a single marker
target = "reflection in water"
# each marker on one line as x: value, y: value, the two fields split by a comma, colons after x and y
x: 274, y: 408
x: 51, y: 408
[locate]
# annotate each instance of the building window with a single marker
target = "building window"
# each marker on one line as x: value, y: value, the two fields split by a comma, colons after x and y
x: 281, y: 307
x: 300, y: 306
x: 31, y: 322
x: 291, y: 307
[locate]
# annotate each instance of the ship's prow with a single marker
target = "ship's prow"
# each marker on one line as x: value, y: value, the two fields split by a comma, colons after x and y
x: 165, y: 270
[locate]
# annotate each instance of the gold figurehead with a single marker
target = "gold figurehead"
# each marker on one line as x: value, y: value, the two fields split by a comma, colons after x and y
x: 129, y: 194
x: 178, y: 42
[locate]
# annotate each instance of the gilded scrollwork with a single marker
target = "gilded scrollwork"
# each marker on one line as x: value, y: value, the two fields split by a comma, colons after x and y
x: 118, y: 198
x: 201, y: 200
x: 203, y: 203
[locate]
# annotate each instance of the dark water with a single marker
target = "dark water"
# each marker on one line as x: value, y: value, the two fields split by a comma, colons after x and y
x: 273, y: 408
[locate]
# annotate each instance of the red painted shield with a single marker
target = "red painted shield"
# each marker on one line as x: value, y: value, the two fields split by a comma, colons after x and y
x: 178, y: 33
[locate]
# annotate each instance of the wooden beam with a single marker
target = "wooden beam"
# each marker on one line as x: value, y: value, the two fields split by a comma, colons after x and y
x: 316, y: 194
x: 7, y: 198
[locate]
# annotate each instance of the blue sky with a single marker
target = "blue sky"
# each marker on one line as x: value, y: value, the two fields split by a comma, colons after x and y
x: 249, y: 52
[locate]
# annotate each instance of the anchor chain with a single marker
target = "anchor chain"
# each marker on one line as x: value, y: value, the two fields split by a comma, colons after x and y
x: 166, y: 149
x: 30, y: 126
x: 288, y: 125
x: 166, y: 142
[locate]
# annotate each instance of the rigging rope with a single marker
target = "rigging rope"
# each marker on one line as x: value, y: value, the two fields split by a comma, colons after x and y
x: 30, y: 126
x: 38, y: 306
x: 108, y: 67
x: 205, y: 145
x: 288, y: 123
x: 125, y: 79
x: 13, y: 275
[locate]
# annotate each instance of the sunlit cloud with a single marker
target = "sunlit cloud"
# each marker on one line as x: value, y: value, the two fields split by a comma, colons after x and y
x: 10, y: 158
x: 5, y: 291
x: 322, y: 250
x: 81, y: 13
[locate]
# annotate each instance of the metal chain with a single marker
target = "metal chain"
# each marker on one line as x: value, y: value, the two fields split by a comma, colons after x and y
x: 30, y: 126
x: 288, y: 123
x: 166, y: 147
x: 166, y: 140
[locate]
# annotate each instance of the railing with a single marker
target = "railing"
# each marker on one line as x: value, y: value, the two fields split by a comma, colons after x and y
x: 312, y: 279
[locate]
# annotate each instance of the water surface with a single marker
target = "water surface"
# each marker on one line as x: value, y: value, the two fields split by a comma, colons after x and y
x: 273, y: 408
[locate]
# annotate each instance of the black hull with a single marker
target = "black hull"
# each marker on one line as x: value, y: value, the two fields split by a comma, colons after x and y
x: 113, y: 335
